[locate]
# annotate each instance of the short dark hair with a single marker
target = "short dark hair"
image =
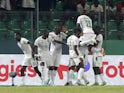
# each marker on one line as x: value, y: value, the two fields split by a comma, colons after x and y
x: 77, y: 30
x: 18, y: 33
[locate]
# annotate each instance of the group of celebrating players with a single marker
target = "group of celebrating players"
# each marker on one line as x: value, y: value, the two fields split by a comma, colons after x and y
x: 47, y: 49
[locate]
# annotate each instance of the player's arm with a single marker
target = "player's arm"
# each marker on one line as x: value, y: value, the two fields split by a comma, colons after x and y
x: 60, y: 42
x: 32, y: 47
x: 75, y: 48
x: 78, y: 25
x: 35, y: 49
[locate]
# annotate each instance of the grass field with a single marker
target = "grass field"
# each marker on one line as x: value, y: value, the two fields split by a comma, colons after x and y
x: 62, y: 89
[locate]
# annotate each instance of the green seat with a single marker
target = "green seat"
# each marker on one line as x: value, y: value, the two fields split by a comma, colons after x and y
x: 4, y: 35
x: 70, y: 25
x: 42, y: 25
x: 59, y: 6
x: 89, y: 3
x: 52, y: 24
x: 55, y: 16
x: 27, y: 16
x: 101, y: 2
x: 2, y: 26
x: 95, y: 23
x: 122, y: 25
x: 40, y: 32
x: 112, y: 35
x: 26, y: 25
x: 26, y: 29
x: 26, y: 34
x: 13, y: 25
x: 111, y: 29
x: 11, y: 34
x: 111, y: 25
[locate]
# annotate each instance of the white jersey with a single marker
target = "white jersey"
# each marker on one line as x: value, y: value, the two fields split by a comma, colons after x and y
x: 43, y: 50
x: 54, y: 45
x: 26, y: 48
x: 42, y: 44
x: 97, y: 50
x: 71, y: 42
x: 85, y: 23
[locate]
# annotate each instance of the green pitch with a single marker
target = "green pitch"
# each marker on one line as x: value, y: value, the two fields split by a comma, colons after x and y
x: 62, y: 89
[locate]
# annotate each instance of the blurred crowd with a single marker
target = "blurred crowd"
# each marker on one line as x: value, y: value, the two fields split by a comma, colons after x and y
x: 64, y: 10
x: 113, y: 7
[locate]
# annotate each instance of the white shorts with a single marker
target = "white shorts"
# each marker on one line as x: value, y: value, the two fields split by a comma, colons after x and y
x: 97, y: 60
x: 87, y: 39
x: 29, y: 62
x: 56, y: 57
x: 85, y: 58
x: 74, y: 61
x: 47, y: 58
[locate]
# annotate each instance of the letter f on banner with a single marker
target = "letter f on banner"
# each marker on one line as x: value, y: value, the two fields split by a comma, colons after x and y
x: 61, y: 69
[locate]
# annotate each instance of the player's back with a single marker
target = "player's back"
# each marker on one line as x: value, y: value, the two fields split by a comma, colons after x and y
x: 26, y: 48
x: 84, y: 21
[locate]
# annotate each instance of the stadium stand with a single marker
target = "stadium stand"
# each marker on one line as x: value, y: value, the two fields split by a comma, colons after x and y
x: 19, y: 19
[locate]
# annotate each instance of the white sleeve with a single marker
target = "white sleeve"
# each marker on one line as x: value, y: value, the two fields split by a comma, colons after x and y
x: 51, y: 36
x: 99, y: 37
x: 36, y: 42
x: 78, y: 20
x: 24, y: 41
x: 94, y: 49
x: 76, y: 42
x: 63, y: 35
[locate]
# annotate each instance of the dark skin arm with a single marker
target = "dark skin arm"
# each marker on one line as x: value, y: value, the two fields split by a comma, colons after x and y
x: 75, y: 48
x: 60, y: 42
x: 32, y: 47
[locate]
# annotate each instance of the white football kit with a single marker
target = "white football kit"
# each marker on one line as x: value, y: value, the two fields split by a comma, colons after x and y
x: 43, y: 50
x: 74, y: 58
x: 86, y: 26
x: 56, y: 48
x: 97, y: 55
x: 26, y: 48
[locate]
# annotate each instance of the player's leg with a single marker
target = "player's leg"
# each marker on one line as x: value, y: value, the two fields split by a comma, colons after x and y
x: 88, y: 39
x: 23, y: 68
x: 81, y: 72
x: 51, y: 76
x: 37, y: 71
x: 25, y: 63
x: 95, y: 69
x: 56, y: 62
x: 34, y: 63
x: 100, y: 73
x: 70, y: 72
x: 96, y: 73
x: 49, y: 64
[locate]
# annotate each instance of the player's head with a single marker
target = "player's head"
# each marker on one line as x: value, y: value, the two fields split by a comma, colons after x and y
x: 57, y: 30
x: 96, y: 3
x: 46, y: 33
x: 17, y: 36
x: 97, y: 30
x: 77, y: 31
